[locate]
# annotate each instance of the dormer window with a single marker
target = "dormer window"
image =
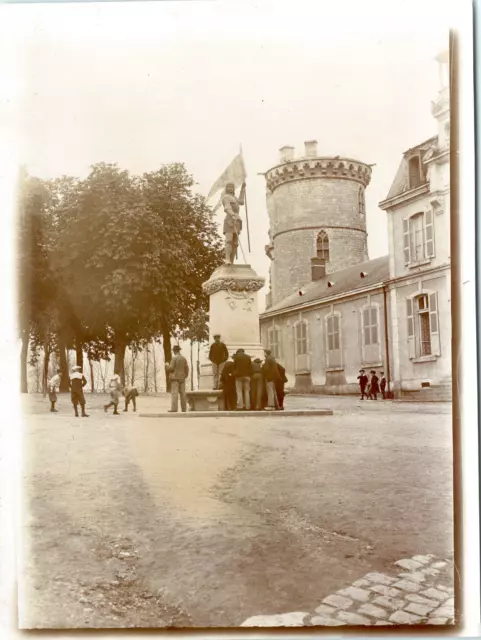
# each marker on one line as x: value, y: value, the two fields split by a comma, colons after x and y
x: 415, y: 175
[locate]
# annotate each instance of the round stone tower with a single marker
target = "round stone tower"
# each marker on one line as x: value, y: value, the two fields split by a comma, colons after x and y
x: 317, y: 216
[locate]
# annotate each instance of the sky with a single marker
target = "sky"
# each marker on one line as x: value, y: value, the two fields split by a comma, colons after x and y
x: 143, y: 84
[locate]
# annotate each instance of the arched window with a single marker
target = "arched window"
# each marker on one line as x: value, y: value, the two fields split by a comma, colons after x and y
x: 322, y: 246
x: 362, y: 206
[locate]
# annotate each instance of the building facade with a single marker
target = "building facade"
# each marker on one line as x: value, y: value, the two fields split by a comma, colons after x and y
x: 418, y: 214
x: 330, y: 310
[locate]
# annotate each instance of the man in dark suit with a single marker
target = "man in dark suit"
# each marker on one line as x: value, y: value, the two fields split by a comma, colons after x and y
x: 242, y: 375
x: 272, y: 377
x: 227, y: 384
x: 281, y: 394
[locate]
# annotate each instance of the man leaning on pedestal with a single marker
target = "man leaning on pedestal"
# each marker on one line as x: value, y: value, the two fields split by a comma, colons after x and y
x: 218, y: 355
x: 242, y: 375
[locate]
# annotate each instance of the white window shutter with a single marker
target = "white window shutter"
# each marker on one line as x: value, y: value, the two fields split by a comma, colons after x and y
x: 407, y: 252
x: 434, y: 324
x: 410, y: 328
x: 429, y: 234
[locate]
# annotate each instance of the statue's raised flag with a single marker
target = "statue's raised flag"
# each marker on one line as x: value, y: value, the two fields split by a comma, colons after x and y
x: 235, y: 173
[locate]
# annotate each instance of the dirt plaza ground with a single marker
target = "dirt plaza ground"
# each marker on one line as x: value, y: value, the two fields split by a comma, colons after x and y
x: 207, y: 522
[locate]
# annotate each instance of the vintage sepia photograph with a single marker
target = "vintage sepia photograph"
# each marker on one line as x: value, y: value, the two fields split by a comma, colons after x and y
x: 236, y: 314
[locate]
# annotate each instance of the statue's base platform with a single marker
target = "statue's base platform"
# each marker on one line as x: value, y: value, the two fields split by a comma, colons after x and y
x: 242, y: 414
x: 205, y: 400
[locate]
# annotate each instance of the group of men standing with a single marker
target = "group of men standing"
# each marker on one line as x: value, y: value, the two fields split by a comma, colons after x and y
x: 370, y: 387
x: 77, y: 382
x: 247, y: 384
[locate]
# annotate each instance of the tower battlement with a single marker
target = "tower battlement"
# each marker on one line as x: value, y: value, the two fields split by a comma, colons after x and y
x: 316, y: 207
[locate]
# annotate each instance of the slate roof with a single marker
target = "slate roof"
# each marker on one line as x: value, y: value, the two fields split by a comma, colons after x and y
x: 345, y: 281
x: 400, y: 183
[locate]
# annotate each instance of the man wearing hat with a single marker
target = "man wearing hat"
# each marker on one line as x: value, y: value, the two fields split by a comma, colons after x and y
x: 362, y: 383
x: 227, y: 383
x: 257, y: 385
x: 218, y: 355
x: 272, y: 376
x: 242, y: 375
x: 77, y: 382
x: 178, y: 371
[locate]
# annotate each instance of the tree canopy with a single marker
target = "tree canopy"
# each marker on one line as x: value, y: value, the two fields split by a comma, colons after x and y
x: 113, y: 260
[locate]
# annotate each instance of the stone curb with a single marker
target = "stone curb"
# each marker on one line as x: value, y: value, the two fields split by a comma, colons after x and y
x: 241, y: 414
x: 412, y: 597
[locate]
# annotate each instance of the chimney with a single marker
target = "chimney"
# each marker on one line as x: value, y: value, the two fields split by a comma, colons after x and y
x: 286, y: 154
x: 311, y: 148
x: 318, y: 268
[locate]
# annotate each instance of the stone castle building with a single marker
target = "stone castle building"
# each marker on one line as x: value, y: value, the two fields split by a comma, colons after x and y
x: 330, y: 310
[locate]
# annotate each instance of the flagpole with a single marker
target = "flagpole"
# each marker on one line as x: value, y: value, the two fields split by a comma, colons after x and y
x: 247, y: 221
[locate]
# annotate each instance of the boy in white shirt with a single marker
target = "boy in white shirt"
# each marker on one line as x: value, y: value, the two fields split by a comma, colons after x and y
x: 53, y: 385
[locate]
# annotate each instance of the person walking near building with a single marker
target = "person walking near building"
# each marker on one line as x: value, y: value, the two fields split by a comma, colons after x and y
x: 383, y: 385
x: 363, y: 381
x: 77, y: 382
x: 271, y: 376
x: 53, y: 385
x: 280, y: 392
x: 115, y: 388
x: 218, y: 355
x: 178, y: 371
x: 374, y: 386
x: 242, y: 375
x: 257, y: 385
x: 227, y: 384
x: 130, y: 394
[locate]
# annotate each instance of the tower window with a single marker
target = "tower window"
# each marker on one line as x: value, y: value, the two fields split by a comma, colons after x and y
x: 322, y: 246
x: 362, y: 207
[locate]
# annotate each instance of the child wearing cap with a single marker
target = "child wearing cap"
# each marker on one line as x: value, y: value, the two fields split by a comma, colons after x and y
x: 115, y: 387
x: 53, y: 385
x: 363, y: 380
x: 77, y: 382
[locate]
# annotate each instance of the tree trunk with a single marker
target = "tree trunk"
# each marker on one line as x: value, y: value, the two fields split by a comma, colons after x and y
x: 46, y: 362
x: 63, y: 365
x: 154, y: 364
x: 79, y: 353
x: 92, y: 378
x: 191, y: 365
x: 23, y: 363
x: 198, y: 365
x: 167, y: 352
x: 120, y: 347
x: 146, y: 370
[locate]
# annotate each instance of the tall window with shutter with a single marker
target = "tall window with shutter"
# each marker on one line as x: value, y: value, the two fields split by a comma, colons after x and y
x: 370, y: 334
x: 274, y: 341
x: 333, y: 338
x: 301, y: 346
x: 423, y: 325
x: 418, y: 237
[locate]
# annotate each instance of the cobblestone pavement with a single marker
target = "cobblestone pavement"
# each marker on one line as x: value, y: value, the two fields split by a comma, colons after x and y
x: 422, y: 593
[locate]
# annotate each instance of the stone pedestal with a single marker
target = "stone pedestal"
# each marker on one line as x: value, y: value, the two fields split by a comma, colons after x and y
x: 233, y: 313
